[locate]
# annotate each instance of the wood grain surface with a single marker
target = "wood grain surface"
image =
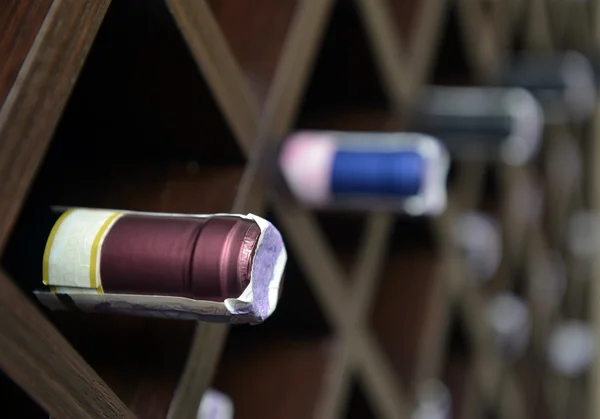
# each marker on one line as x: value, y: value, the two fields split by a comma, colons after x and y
x: 20, y: 22
x: 42, y: 362
x: 34, y: 354
x: 281, y: 107
x: 36, y: 100
x: 215, y: 59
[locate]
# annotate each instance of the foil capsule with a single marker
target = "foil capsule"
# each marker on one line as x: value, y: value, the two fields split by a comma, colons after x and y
x: 478, y: 123
x: 144, y: 254
x: 564, y: 83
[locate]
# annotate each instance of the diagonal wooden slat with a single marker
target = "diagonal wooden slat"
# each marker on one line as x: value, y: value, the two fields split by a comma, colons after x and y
x: 403, y: 80
x: 40, y: 360
x: 36, y: 101
x: 538, y: 35
x: 388, y: 52
x: 326, y: 279
x: 403, y: 71
x: 428, y: 31
x: 469, y: 301
x: 451, y: 275
x: 20, y: 23
x: 328, y: 284
x: 282, y: 102
x: 487, y: 371
x: 572, y: 24
x: 34, y: 354
x: 291, y: 74
x: 336, y: 384
x: 370, y: 260
x: 216, y: 61
x: 513, y: 403
x: 487, y: 38
x: 202, y: 362
x: 293, y: 69
x: 558, y: 13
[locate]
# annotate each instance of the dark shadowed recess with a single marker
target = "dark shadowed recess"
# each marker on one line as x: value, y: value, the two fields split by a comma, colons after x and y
x: 345, y: 75
x: 458, y: 361
x: 358, y: 406
x: 141, y: 96
x: 451, y: 66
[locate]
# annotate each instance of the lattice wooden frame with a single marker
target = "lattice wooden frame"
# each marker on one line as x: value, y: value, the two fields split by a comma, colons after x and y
x: 404, y: 72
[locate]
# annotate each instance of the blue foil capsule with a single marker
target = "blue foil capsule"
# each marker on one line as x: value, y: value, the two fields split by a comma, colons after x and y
x: 403, y: 172
x: 397, y: 174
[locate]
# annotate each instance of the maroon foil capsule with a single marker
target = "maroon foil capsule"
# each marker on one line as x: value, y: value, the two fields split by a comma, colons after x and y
x: 201, y: 258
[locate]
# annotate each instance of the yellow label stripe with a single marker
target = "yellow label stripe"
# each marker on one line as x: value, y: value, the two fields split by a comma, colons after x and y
x: 49, y: 243
x: 95, y: 249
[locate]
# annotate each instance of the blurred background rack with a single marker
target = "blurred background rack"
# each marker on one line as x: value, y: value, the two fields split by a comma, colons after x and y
x: 159, y: 105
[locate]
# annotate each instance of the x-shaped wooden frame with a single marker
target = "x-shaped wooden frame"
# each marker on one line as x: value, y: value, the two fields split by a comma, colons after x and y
x: 403, y: 77
x: 357, y: 348
x: 34, y: 354
x: 488, y: 46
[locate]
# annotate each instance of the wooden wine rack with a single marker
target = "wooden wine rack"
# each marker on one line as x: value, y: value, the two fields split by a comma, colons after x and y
x: 200, y: 81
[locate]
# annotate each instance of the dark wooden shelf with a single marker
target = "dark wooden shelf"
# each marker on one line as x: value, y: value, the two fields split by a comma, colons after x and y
x: 274, y: 379
x: 39, y: 86
x: 163, y: 187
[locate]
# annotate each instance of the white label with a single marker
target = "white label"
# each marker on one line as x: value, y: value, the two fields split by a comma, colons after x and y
x: 73, y: 248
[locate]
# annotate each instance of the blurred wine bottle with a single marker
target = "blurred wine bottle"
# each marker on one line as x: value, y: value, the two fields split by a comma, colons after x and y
x: 481, y: 123
x: 564, y: 83
x: 402, y: 172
